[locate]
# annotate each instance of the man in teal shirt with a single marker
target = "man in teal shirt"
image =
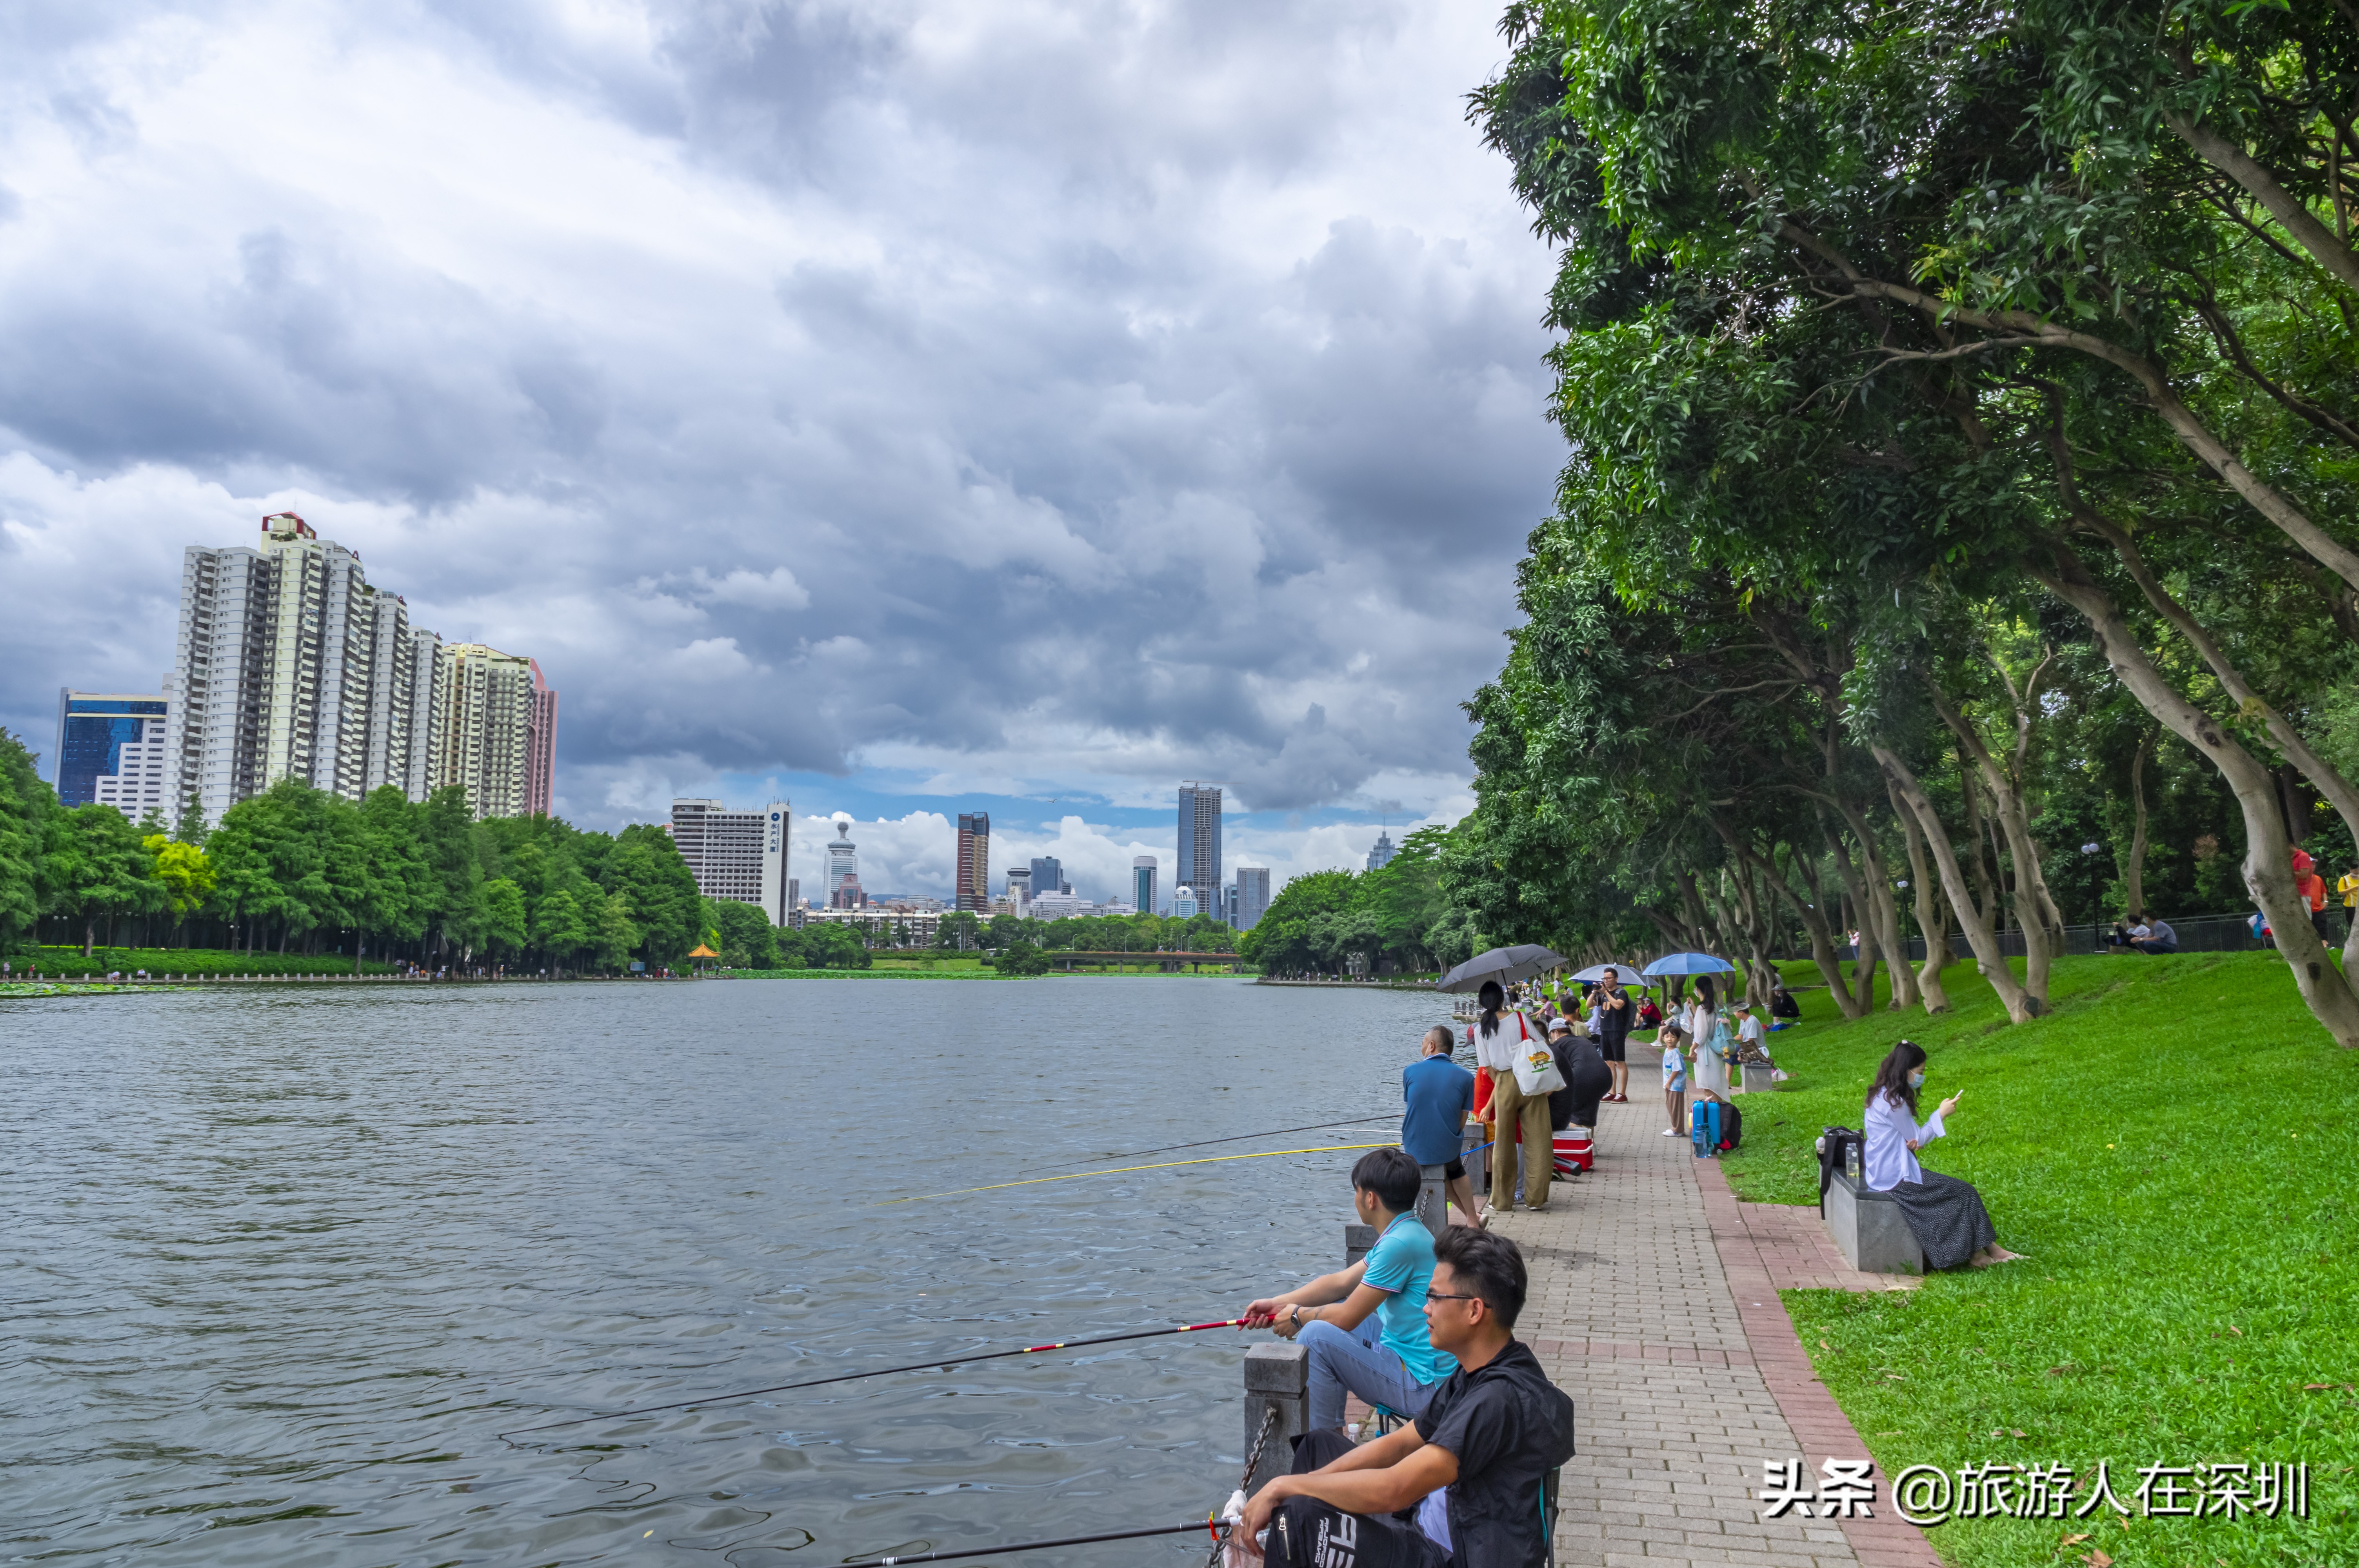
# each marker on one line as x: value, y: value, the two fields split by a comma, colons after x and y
x: 1364, y: 1326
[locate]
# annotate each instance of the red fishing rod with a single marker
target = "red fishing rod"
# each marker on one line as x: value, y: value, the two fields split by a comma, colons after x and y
x: 879, y: 1372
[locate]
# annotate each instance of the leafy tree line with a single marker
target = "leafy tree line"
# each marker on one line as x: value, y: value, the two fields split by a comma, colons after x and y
x: 1963, y: 414
x: 1402, y: 915
x: 297, y: 870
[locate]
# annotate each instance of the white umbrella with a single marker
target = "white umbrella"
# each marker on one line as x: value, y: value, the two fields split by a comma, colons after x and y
x: 1596, y: 972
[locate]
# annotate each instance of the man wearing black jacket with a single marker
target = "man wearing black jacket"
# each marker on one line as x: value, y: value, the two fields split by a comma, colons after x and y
x: 1472, y: 1465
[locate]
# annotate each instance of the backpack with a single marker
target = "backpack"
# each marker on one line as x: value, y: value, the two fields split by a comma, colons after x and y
x: 1832, y: 1142
x: 1732, y: 1126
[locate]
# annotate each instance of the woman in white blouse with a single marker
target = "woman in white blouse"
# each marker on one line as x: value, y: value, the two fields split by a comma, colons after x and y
x: 1945, y: 1214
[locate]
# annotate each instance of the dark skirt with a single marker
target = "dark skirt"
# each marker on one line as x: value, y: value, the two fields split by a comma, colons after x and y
x: 1947, y: 1217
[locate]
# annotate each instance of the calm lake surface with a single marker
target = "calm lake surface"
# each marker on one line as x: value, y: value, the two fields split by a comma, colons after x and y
x: 281, y: 1266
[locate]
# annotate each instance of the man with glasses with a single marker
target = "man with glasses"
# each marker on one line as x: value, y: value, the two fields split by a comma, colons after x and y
x: 1473, y: 1464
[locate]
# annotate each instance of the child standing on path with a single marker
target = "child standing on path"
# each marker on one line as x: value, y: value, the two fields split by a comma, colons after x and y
x: 1675, y: 1081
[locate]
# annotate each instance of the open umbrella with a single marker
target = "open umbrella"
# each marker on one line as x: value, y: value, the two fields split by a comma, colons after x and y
x: 1689, y: 964
x: 1596, y: 972
x: 1505, y: 964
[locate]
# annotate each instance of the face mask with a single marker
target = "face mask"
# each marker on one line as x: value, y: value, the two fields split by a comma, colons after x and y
x: 1917, y: 1080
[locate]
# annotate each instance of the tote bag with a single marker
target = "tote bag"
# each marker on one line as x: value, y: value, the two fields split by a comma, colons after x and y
x: 1535, y: 1072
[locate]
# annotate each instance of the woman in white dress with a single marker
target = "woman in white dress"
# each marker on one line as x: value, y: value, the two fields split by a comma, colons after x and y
x: 1944, y: 1214
x: 1710, y: 1079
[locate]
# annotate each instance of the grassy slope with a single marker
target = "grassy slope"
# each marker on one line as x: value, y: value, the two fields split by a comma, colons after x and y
x: 2174, y: 1147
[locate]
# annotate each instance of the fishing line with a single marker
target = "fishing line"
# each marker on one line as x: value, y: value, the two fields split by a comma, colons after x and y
x: 1014, y: 1546
x: 1122, y: 1170
x: 877, y: 1372
x: 1208, y: 1143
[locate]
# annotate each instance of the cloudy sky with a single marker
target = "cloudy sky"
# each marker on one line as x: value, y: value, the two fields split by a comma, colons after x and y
x: 905, y: 407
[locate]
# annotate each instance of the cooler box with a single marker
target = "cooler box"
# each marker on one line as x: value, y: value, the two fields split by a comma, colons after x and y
x: 1575, y: 1150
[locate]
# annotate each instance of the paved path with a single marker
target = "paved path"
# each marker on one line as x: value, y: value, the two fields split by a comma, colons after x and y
x: 1684, y: 1385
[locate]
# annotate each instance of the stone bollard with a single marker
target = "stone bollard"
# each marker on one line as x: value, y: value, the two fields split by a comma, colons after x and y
x: 1359, y: 1240
x: 1471, y: 1144
x: 1433, y: 1199
x: 1276, y: 1375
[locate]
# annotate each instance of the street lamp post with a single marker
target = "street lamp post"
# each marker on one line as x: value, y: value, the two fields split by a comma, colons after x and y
x: 2096, y: 908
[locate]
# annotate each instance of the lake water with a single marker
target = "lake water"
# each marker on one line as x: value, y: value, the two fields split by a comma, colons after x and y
x: 281, y: 1266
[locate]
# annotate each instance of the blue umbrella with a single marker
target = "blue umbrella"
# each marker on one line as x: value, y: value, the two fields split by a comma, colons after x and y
x: 1689, y: 964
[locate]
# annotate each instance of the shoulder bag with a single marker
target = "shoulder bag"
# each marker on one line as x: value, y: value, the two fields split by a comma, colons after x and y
x: 1535, y: 1072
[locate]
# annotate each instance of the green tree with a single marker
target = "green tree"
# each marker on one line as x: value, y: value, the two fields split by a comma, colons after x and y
x: 26, y: 805
x: 506, y: 922
x: 187, y: 875
x: 558, y: 927
x: 100, y: 869
x: 1021, y: 960
x: 616, y: 934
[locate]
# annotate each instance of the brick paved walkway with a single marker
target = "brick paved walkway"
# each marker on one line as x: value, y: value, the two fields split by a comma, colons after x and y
x: 1683, y: 1386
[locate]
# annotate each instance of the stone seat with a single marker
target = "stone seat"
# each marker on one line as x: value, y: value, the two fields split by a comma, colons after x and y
x: 1869, y: 1229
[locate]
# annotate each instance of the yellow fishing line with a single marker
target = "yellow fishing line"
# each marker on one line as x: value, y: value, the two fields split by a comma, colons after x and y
x: 1119, y: 1169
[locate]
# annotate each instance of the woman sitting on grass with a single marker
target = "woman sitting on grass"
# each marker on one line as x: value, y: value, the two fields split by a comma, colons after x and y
x: 1944, y: 1214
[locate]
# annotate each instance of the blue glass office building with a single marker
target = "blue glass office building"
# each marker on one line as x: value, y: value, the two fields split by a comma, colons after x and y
x: 93, y: 729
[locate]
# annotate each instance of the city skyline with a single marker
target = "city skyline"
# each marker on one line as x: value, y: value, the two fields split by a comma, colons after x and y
x: 671, y: 437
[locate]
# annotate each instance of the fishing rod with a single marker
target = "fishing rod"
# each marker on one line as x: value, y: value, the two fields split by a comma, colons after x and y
x: 1015, y: 1546
x: 1208, y: 1143
x: 1124, y: 1170
x: 877, y: 1372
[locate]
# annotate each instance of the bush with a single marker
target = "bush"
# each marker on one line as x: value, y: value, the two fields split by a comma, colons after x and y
x: 1020, y: 960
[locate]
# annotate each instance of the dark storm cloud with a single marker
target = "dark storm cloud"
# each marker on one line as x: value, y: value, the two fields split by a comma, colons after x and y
x: 1107, y: 393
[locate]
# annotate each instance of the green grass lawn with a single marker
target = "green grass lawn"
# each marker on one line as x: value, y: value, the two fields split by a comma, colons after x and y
x: 188, y: 961
x: 2174, y: 1148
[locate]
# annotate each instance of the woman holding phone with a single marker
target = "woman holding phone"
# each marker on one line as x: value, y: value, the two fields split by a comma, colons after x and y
x: 1944, y: 1214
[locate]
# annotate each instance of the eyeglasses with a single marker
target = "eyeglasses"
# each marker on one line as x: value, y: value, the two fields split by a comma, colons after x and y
x: 1448, y: 1296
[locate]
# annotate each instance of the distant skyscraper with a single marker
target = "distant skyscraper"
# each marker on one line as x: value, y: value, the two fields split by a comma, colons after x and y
x: 843, y: 869
x: 1020, y: 886
x: 1048, y: 876
x: 1142, y: 884
x: 973, y: 889
x: 483, y: 706
x: 1200, y: 837
x: 737, y: 855
x: 1252, y: 896
x: 111, y: 749
x: 1384, y: 851
x: 1183, y: 903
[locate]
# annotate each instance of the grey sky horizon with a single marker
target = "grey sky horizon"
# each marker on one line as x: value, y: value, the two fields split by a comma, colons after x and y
x: 995, y: 399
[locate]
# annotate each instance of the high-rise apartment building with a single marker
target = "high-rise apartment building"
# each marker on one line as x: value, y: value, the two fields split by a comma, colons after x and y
x: 1142, y: 884
x: 1250, y: 897
x: 540, y: 755
x: 738, y: 855
x: 973, y: 886
x: 288, y: 664
x: 1200, y: 839
x: 111, y: 749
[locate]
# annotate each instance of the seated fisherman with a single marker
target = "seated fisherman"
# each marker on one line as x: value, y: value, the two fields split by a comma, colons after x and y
x: 1472, y: 1464
x: 1364, y: 1326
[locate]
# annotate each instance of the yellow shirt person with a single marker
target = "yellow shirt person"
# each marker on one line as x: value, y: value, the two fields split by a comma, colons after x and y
x: 2349, y: 888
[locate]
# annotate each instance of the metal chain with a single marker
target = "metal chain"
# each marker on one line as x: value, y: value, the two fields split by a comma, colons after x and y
x: 1253, y: 1462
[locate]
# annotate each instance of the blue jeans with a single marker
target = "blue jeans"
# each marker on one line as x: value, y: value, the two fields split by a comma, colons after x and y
x: 1352, y: 1360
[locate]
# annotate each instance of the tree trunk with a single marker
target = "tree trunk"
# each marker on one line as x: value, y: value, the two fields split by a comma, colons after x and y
x: 2231, y: 160
x: 2268, y: 870
x: 1823, y: 949
x: 2134, y: 873
x: 1870, y: 945
x: 1881, y: 908
x: 1929, y: 905
x: 89, y: 934
x: 2032, y: 905
x: 2296, y: 801
x: 2021, y: 1006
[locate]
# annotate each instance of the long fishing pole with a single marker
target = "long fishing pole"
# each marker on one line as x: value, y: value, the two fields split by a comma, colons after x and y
x: 1208, y: 1143
x: 876, y: 1372
x: 1030, y: 1545
x: 1124, y: 1170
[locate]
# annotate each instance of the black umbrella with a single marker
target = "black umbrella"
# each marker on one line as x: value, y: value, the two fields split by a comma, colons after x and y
x: 1505, y: 964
